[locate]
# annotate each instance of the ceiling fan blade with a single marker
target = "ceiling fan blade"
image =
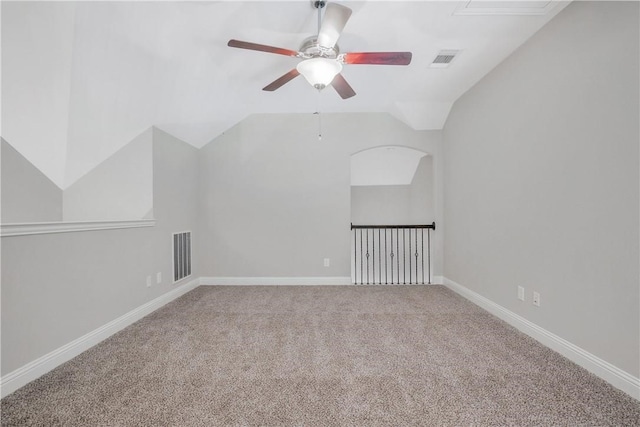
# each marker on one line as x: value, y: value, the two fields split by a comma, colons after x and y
x: 342, y: 87
x: 261, y: 48
x: 281, y: 80
x: 378, y: 58
x: 335, y: 18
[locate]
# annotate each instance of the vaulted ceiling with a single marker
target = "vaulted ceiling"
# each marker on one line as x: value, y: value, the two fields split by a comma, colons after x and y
x: 82, y: 79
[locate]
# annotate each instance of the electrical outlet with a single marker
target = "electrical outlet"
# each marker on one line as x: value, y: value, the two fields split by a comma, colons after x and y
x: 520, y: 293
x: 327, y: 262
x: 148, y: 281
x: 158, y: 277
x: 536, y: 299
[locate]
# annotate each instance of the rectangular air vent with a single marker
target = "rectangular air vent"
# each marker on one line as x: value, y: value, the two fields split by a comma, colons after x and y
x: 181, y: 255
x: 505, y: 7
x: 444, y: 58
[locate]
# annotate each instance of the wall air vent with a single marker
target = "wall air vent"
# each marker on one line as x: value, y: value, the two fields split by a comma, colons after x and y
x: 181, y: 255
x: 444, y: 58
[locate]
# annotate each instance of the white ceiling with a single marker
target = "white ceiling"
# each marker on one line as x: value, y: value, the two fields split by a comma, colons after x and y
x: 80, y: 80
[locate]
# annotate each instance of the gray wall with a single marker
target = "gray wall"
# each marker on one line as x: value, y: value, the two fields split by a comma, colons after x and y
x: 119, y: 188
x: 381, y: 204
x: 396, y: 204
x: 58, y: 287
x: 27, y: 194
x: 275, y: 201
x: 176, y: 183
x: 541, y: 181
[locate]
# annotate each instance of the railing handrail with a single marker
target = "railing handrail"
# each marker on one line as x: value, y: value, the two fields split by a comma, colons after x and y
x: 431, y: 226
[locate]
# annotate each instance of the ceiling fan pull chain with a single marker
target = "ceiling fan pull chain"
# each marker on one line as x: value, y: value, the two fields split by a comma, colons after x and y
x: 319, y: 118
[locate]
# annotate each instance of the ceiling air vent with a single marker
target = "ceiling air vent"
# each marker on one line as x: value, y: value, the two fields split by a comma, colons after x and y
x: 502, y: 7
x: 444, y: 58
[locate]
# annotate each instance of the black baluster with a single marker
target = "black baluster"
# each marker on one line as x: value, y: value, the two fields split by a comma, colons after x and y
x: 410, y: 256
x: 379, y: 259
x: 361, y: 261
x: 417, y: 280
x: 367, y: 256
x: 355, y: 256
x: 386, y: 280
x: 422, y: 239
x: 429, y: 253
x: 391, y: 256
x: 373, y: 244
x: 404, y: 257
x: 398, y: 253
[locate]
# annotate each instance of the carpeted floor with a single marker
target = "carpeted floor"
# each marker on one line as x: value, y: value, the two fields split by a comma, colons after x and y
x: 320, y: 356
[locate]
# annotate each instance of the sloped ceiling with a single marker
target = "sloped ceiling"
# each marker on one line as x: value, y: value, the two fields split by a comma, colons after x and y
x: 80, y: 80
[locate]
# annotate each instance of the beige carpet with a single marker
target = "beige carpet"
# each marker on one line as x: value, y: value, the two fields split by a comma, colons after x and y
x: 320, y: 356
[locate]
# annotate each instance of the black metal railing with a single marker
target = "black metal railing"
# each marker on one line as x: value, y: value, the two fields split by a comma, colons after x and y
x: 392, y: 254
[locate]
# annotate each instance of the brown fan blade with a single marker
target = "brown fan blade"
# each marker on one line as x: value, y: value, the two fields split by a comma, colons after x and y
x: 342, y: 87
x: 261, y: 48
x: 282, y: 80
x: 333, y: 22
x: 378, y: 58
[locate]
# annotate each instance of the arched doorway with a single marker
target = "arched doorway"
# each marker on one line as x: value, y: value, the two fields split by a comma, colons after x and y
x: 392, y: 200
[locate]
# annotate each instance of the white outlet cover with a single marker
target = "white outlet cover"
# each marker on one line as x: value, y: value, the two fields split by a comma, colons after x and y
x: 148, y: 281
x: 520, y: 293
x: 158, y: 277
x: 536, y: 299
x: 327, y: 262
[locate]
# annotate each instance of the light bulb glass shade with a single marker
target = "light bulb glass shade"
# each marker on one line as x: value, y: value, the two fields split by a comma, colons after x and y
x: 319, y: 72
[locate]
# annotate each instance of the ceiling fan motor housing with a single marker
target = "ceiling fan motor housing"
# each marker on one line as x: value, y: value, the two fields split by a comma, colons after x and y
x: 311, y: 49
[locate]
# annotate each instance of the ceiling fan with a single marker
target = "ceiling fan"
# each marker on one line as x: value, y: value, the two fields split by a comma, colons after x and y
x: 321, y: 58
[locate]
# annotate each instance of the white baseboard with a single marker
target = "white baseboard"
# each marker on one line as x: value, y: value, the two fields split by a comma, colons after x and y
x: 35, y: 369
x: 292, y: 281
x: 603, y: 369
x: 300, y: 281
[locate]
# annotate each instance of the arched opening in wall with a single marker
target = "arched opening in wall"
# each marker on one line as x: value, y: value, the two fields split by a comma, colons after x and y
x: 392, y: 205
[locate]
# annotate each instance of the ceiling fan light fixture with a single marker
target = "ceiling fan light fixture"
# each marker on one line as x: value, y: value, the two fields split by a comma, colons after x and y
x: 319, y: 72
